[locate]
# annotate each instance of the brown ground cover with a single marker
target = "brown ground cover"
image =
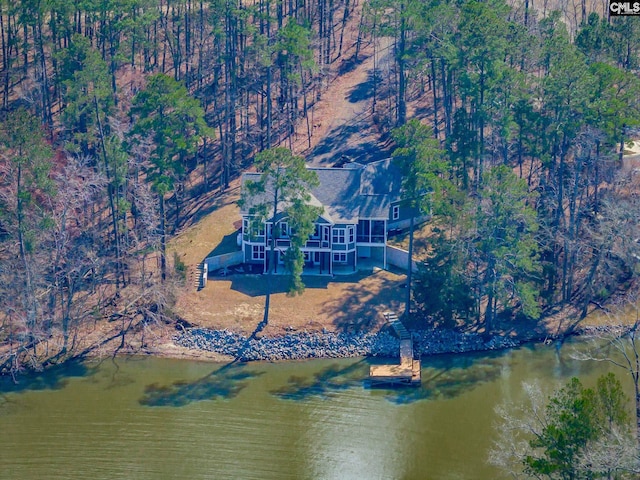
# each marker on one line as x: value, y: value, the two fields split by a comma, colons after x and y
x: 343, y: 303
x: 213, y: 224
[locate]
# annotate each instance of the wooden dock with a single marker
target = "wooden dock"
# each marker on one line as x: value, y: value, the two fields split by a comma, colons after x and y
x: 405, y: 373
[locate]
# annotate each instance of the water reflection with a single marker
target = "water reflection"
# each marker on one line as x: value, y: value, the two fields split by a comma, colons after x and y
x: 54, y: 378
x: 280, y: 421
x: 443, y: 377
x: 224, y: 383
x: 447, y: 377
x: 323, y: 383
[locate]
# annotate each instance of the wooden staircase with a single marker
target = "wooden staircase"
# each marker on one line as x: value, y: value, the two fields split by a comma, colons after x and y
x: 197, y: 276
x: 408, y: 371
x: 393, y: 320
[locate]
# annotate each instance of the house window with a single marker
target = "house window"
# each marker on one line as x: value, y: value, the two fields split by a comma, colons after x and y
x: 257, y: 230
x: 352, y: 234
x: 252, y: 228
x: 284, y: 229
x: 257, y: 252
x: 364, y: 231
x: 338, y: 235
x: 377, y: 231
x: 395, y: 212
x: 339, y: 258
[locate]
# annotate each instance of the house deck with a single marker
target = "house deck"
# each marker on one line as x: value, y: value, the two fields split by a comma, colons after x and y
x: 364, y: 265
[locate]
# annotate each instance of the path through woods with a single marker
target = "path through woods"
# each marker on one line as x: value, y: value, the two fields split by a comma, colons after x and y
x: 343, y: 121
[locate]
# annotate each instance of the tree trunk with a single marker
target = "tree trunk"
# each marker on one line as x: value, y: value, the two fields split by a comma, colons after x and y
x: 446, y: 98
x: 636, y: 384
x: 29, y: 296
x: 272, y: 256
x: 345, y: 17
x: 402, y: 80
x: 621, y: 154
x: 269, y: 114
x: 435, y: 98
x: 407, y: 309
x: 163, y: 240
x: 111, y: 192
x: 489, y: 314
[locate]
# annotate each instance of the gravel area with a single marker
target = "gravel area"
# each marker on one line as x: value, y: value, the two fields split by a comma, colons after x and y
x: 305, y: 345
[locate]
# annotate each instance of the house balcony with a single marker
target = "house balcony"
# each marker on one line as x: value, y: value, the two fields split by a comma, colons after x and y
x: 315, y: 243
x: 247, y: 238
x: 337, y: 269
x: 281, y: 242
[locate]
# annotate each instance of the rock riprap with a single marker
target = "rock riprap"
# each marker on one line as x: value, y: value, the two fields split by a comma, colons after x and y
x: 326, y: 344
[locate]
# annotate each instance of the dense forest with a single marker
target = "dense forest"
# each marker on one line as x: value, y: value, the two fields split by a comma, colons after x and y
x: 118, y: 113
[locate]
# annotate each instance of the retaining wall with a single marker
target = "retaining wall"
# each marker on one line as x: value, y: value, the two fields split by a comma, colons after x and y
x: 398, y: 258
x: 222, y: 261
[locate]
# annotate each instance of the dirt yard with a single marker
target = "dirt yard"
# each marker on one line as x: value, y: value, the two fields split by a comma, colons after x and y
x: 214, y: 224
x: 344, y: 303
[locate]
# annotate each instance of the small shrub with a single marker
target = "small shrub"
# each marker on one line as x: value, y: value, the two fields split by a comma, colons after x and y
x: 179, y: 266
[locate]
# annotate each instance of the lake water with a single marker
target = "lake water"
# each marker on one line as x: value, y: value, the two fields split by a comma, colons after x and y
x: 168, y: 419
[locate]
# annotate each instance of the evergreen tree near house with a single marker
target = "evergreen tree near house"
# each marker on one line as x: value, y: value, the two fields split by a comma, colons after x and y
x: 280, y: 195
x: 165, y: 113
x: 504, y: 247
x: 484, y: 258
x: 419, y: 157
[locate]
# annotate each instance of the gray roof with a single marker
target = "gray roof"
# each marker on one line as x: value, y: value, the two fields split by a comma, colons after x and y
x: 353, y: 192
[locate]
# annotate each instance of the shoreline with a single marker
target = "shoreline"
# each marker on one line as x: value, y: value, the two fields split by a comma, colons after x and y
x: 326, y: 344
x: 223, y: 346
x: 322, y: 345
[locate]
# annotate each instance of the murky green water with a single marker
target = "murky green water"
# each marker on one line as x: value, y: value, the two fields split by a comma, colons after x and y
x: 164, y: 419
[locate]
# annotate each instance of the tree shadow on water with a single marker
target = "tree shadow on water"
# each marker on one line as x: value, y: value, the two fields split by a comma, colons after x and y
x: 323, y: 384
x: 446, y: 377
x: 53, y: 378
x: 225, y: 383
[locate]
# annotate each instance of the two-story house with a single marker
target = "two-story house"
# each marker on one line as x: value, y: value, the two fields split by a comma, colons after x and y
x: 361, y: 204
